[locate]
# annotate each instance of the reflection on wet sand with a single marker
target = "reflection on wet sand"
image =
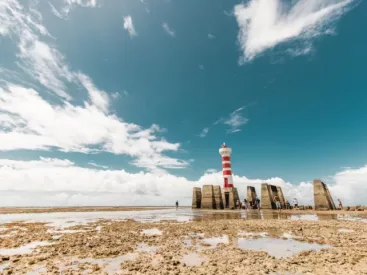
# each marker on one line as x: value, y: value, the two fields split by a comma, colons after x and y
x: 264, y: 215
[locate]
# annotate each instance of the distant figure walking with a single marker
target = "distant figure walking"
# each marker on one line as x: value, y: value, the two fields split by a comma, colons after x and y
x: 277, y: 202
x: 257, y: 201
x: 245, y: 204
x: 340, y: 204
x: 176, y: 205
x: 295, y: 203
x: 287, y: 206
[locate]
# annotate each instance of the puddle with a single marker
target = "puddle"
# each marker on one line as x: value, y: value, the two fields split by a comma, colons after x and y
x: 278, y: 248
x: 194, y: 259
x: 213, y: 242
x: 37, y: 269
x: 108, y: 265
x: 290, y: 236
x: 146, y: 248
x: 352, y: 217
x: 253, y: 234
x: 4, y: 266
x: 99, y: 228
x: 345, y: 230
x: 25, y: 249
x: 152, y: 232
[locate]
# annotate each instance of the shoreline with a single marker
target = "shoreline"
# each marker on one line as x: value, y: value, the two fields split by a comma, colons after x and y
x: 24, y: 210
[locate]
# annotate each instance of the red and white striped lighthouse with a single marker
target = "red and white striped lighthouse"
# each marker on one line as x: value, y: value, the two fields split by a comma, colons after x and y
x: 226, y: 152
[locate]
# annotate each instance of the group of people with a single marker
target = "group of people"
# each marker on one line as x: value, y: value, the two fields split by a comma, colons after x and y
x: 248, y: 205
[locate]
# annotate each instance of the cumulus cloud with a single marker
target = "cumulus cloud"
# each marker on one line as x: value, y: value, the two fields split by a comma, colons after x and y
x: 62, y: 124
x: 234, y: 120
x: 97, y: 165
x: 204, y: 132
x: 128, y: 25
x: 77, y: 128
x: 263, y: 24
x: 168, y: 30
x: 211, y: 36
x: 60, y: 182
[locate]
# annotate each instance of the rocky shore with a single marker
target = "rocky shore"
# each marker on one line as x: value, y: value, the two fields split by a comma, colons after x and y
x: 205, y: 246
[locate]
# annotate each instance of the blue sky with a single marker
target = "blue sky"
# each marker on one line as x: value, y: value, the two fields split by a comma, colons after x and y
x: 101, y: 99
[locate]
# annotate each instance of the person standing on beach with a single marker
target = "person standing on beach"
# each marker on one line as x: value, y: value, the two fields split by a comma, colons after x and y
x: 340, y: 204
x: 257, y: 201
x: 277, y: 202
x: 176, y: 205
x: 295, y: 203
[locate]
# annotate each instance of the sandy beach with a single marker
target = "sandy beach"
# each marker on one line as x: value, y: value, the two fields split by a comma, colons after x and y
x: 183, y: 241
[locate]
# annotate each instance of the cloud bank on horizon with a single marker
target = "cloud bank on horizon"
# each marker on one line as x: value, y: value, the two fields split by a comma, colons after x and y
x: 264, y: 24
x: 57, y: 182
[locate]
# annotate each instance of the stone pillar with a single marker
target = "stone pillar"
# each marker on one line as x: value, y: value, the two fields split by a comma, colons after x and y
x: 232, y: 195
x: 281, y: 196
x: 196, y: 197
x: 251, y: 195
x: 322, y: 196
x: 207, y: 200
x: 265, y: 197
x: 218, y: 197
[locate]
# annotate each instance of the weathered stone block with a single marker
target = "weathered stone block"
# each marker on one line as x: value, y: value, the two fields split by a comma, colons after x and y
x: 207, y: 199
x: 251, y: 196
x: 218, y: 197
x: 266, y: 198
x: 196, y: 197
x: 229, y: 197
x: 322, y: 196
x: 281, y: 196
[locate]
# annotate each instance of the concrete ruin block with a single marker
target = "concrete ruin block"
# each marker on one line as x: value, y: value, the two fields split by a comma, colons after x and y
x: 229, y: 197
x: 196, y: 197
x: 268, y: 192
x: 281, y: 196
x: 251, y: 196
x: 207, y: 198
x: 322, y: 196
x: 266, y: 198
x: 218, y: 197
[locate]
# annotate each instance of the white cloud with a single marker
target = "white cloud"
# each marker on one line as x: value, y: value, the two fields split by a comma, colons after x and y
x: 211, y: 171
x: 211, y: 36
x: 62, y: 125
x: 97, y: 165
x: 168, y: 30
x: 263, y: 24
x: 97, y: 97
x: 78, y: 128
x: 235, y: 120
x: 128, y: 25
x: 204, y: 132
x: 61, y: 182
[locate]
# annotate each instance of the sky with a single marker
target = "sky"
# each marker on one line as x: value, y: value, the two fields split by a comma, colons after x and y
x: 127, y: 102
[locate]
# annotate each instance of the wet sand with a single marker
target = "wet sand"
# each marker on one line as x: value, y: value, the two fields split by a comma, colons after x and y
x: 12, y: 210
x: 183, y: 242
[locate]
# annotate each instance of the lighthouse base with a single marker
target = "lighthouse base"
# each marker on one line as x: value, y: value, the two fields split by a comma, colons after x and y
x: 229, y: 197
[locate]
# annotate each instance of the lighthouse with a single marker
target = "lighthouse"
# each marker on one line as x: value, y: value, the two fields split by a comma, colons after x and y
x: 229, y: 192
x: 226, y: 152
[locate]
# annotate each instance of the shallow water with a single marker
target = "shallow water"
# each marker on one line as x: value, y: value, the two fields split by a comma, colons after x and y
x: 193, y: 259
x: 68, y: 219
x: 278, y: 248
x: 146, y: 248
x: 213, y: 242
x: 25, y: 249
x: 343, y: 230
x: 152, y: 232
